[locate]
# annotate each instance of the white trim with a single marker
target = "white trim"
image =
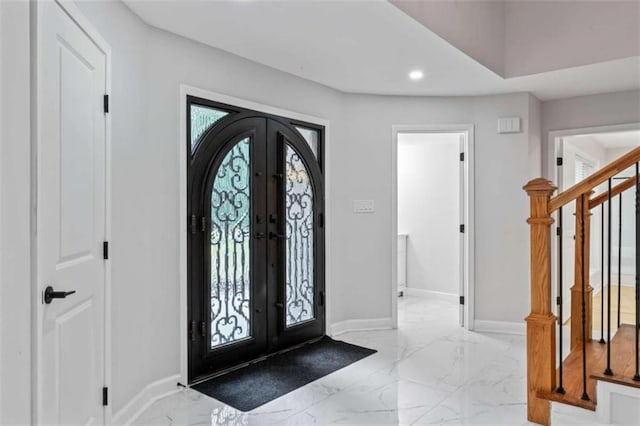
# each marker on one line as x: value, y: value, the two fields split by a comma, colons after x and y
x: 578, y: 415
x: 2, y: 119
x: 430, y: 294
x: 185, y: 90
x: 72, y: 10
x: 627, y: 280
x: 555, y: 145
x: 360, y: 325
x: 605, y: 392
x: 554, y: 136
x: 502, y: 327
x: 468, y: 212
x: 145, y: 398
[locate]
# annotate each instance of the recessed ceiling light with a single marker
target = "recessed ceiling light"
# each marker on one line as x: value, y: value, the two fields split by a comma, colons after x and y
x: 416, y: 75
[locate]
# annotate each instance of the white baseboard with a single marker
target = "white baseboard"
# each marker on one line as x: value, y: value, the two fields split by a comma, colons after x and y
x: 147, y: 396
x: 419, y: 292
x: 614, y: 283
x: 503, y: 327
x: 361, y: 325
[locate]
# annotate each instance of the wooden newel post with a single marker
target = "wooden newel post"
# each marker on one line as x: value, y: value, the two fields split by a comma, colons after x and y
x: 541, y: 331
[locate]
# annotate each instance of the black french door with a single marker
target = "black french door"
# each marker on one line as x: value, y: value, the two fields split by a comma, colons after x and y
x: 256, y: 235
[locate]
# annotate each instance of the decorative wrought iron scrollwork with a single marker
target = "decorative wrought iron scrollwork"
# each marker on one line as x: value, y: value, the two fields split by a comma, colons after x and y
x: 300, y: 243
x: 230, y: 247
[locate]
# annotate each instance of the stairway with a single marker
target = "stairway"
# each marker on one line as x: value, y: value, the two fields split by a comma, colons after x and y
x: 614, y: 361
x: 622, y: 365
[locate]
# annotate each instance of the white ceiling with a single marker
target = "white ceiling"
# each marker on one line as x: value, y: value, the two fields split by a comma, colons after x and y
x: 363, y: 47
x: 626, y: 139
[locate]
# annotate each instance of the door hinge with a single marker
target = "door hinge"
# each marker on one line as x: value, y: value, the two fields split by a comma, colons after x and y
x: 105, y: 396
x: 321, y: 220
x: 462, y: 156
x: 192, y: 330
x: 203, y: 329
x: 462, y: 300
x: 558, y: 300
x: 321, y: 298
x: 558, y: 231
x: 462, y: 229
x: 105, y: 250
x: 192, y: 224
x: 105, y: 102
x: 559, y: 161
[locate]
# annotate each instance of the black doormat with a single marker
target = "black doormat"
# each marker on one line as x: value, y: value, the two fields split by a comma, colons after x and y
x: 256, y: 384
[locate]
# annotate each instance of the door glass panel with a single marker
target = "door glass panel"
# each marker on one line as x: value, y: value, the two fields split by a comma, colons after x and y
x: 230, y: 248
x: 299, y: 228
x: 311, y: 136
x: 201, y: 119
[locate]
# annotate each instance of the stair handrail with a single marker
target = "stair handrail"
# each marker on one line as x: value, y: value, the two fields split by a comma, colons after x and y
x: 618, y: 189
x: 587, y: 185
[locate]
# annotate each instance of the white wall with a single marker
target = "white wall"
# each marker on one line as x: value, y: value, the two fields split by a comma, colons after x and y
x: 147, y: 67
x: 15, y: 279
x: 544, y: 36
x: 518, y: 38
x: 429, y: 209
x: 585, y: 111
x: 476, y: 28
x: 535, y: 135
x: 362, y: 263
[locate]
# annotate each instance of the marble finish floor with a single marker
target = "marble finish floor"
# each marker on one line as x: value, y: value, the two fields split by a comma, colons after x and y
x: 428, y: 371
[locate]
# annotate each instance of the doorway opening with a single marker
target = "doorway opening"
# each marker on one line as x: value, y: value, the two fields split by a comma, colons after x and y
x: 255, y: 241
x: 580, y: 153
x: 432, y: 222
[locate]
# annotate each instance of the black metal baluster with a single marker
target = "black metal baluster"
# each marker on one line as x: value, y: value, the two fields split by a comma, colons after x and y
x: 607, y: 370
x: 585, y: 395
x: 636, y: 376
x: 559, y: 301
x: 619, y: 255
x: 602, y: 273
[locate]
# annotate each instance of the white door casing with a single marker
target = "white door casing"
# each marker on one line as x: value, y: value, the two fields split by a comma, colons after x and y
x: 461, y: 247
x: 71, y: 200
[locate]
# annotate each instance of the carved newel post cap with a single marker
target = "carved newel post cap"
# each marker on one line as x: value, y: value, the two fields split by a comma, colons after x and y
x: 540, y: 185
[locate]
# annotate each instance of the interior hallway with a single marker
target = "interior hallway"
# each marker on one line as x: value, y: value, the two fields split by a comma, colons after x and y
x: 428, y: 371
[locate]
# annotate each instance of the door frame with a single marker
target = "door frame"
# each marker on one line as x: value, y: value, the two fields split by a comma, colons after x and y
x: 555, y: 147
x: 554, y: 138
x: 187, y: 90
x: 468, y: 239
x: 72, y: 10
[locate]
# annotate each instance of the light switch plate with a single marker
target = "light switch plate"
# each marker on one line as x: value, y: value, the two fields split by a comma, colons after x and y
x: 363, y: 206
x: 509, y: 125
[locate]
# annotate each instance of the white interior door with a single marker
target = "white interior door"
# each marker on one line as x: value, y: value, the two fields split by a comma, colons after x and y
x: 71, y: 220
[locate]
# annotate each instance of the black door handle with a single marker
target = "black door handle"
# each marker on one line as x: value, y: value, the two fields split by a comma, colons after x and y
x: 49, y: 294
x: 274, y: 235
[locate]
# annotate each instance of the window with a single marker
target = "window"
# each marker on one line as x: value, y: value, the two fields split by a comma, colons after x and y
x: 583, y: 168
x: 311, y: 136
x: 201, y: 119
